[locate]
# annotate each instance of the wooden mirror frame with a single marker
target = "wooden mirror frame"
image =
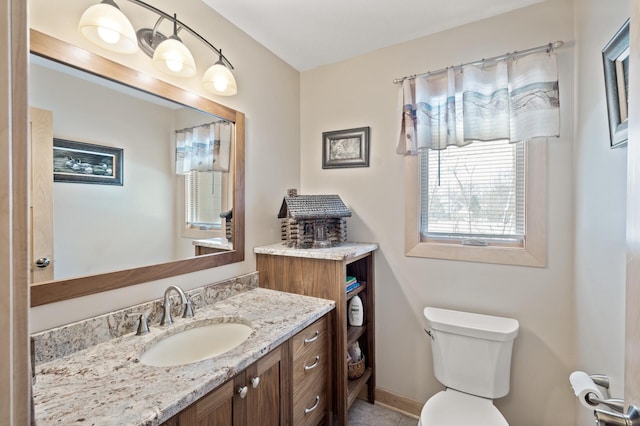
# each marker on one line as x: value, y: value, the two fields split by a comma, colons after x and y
x: 67, y: 54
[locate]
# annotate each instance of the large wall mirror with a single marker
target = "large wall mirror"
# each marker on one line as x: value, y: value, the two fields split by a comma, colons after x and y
x: 92, y: 232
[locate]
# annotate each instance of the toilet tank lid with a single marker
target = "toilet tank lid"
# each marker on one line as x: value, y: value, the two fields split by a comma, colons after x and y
x: 471, y: 324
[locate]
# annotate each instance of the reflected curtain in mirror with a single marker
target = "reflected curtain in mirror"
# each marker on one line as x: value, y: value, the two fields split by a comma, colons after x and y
x: 204, y: 148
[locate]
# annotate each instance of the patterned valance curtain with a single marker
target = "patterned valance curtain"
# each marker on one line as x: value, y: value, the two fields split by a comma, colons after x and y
x: 513, y: 99
x: 204, y: 148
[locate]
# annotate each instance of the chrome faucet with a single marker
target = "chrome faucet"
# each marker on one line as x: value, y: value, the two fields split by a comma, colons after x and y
x: 166, y: 311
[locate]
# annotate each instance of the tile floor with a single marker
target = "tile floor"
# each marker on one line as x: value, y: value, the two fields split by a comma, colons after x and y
x: 362, y: 413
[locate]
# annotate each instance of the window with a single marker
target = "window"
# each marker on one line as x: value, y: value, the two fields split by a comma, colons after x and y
x: 203, y: 207
x: 484, y: 202
x: 474, y: 194
x: 205, y: 198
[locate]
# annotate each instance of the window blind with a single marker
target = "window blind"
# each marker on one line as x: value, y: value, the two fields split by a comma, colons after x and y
x: 474, y: 193
x: 202, y: 208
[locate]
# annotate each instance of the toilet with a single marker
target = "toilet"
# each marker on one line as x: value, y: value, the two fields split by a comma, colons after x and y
x: 472, y: 359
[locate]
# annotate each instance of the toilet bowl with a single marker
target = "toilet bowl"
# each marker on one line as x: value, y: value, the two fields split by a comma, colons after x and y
x: 453, y: 408
x: 472, y: 359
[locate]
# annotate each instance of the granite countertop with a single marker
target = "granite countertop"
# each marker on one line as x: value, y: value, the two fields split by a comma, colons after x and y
x: 342, y: 252
x: 107, y: 384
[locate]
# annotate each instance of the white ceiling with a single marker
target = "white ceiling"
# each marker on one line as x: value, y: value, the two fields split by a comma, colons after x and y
x: 307, y: 34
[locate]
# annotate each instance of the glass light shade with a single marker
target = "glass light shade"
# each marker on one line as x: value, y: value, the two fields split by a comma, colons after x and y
x: 172, y: 57
x: 219, y: 80
x: 105, y: 25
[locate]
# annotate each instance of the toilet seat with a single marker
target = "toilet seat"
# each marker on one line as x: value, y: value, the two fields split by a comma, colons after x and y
x: 453, y: 408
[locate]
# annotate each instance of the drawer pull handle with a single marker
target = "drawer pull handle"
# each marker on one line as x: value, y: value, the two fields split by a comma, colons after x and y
x: 312, y: 339
x: 314, y: 365
x: 310, y: 409
x: 255, y: 382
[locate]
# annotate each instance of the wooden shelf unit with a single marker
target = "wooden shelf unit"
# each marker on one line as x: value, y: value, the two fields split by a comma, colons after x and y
x: 322, y: 273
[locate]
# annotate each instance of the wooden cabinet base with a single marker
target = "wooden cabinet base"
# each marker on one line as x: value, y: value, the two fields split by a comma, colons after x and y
x: 300, y: 272
x: 285, y: 387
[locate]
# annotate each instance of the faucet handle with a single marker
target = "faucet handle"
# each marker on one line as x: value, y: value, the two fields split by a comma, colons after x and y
x: 189, y: 309
x: 143, y: 321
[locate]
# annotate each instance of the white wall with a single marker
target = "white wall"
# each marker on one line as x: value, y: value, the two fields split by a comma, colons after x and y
x: 359, y: 92
x: 600, y: 191
x: 268, y: 94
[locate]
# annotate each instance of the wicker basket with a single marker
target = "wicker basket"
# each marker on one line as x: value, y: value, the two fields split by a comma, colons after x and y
x: 356, y: 369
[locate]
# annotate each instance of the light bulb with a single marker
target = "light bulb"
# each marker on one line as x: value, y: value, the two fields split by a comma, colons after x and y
x: 220, y: 83
x: 108, y: 35
x: 173, y: 65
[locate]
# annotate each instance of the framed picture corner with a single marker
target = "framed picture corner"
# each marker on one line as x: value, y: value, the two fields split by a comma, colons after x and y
x: 615, y: 61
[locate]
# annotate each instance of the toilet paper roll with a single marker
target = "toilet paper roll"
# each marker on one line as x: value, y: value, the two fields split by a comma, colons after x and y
x: 582, y: 385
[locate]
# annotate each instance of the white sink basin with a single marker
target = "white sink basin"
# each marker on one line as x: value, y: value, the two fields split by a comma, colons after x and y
x: 196, y: 344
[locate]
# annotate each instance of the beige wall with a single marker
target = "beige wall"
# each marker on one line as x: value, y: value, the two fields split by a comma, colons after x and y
x: 600, y: 190
x: 359, y: 92
x: 268, y: 93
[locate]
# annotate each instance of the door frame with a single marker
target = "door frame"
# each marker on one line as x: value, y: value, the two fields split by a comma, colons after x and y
x: 14, y: 271
x: 632, y: 326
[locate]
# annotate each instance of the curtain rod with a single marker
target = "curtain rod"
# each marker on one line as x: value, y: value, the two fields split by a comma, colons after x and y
x: 548, y: 47
x: 186, y: 129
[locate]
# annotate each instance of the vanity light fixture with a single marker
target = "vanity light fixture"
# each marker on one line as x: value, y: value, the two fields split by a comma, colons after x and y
x: 219, y: 79
x: 170, y: 55
x: 173, y: 57
x: 106, y: 26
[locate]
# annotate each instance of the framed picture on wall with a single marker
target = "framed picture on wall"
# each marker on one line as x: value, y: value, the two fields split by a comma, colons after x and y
x: 81, y: 162
x: 615, y: 58
x: 345, y: 148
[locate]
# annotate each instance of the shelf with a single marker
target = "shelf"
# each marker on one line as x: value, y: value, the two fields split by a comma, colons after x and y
x: 356, y: 385
x: 358, y: 290
x: 314, y: 275
x: 354, y: 333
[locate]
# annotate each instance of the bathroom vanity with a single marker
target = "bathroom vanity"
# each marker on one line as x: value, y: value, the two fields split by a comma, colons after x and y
x: 294, y: 375
x: 277, y: 376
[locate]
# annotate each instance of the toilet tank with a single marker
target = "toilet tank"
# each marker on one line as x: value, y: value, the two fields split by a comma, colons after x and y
x: 472, y: 352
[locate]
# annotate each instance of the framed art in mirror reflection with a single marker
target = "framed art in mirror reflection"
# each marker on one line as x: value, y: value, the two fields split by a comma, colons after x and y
x: 80, y: 162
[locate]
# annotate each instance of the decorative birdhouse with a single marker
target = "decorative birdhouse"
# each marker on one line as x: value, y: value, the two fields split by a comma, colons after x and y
x: 228, y: 220
x: 313, y: 221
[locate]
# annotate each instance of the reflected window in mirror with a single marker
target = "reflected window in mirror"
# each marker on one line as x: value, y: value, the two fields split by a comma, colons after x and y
x: 204, y: 201
x: 203, y: 162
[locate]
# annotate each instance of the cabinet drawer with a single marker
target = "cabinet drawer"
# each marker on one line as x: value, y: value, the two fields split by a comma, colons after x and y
x: 310, y: 370
x: 313, y: 338
x: 309, y: 402
x: 310, y: 367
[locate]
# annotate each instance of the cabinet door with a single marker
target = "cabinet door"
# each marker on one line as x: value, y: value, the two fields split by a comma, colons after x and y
x: 258, y: 396
x: 268, y: 390
x: 215, y: 409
